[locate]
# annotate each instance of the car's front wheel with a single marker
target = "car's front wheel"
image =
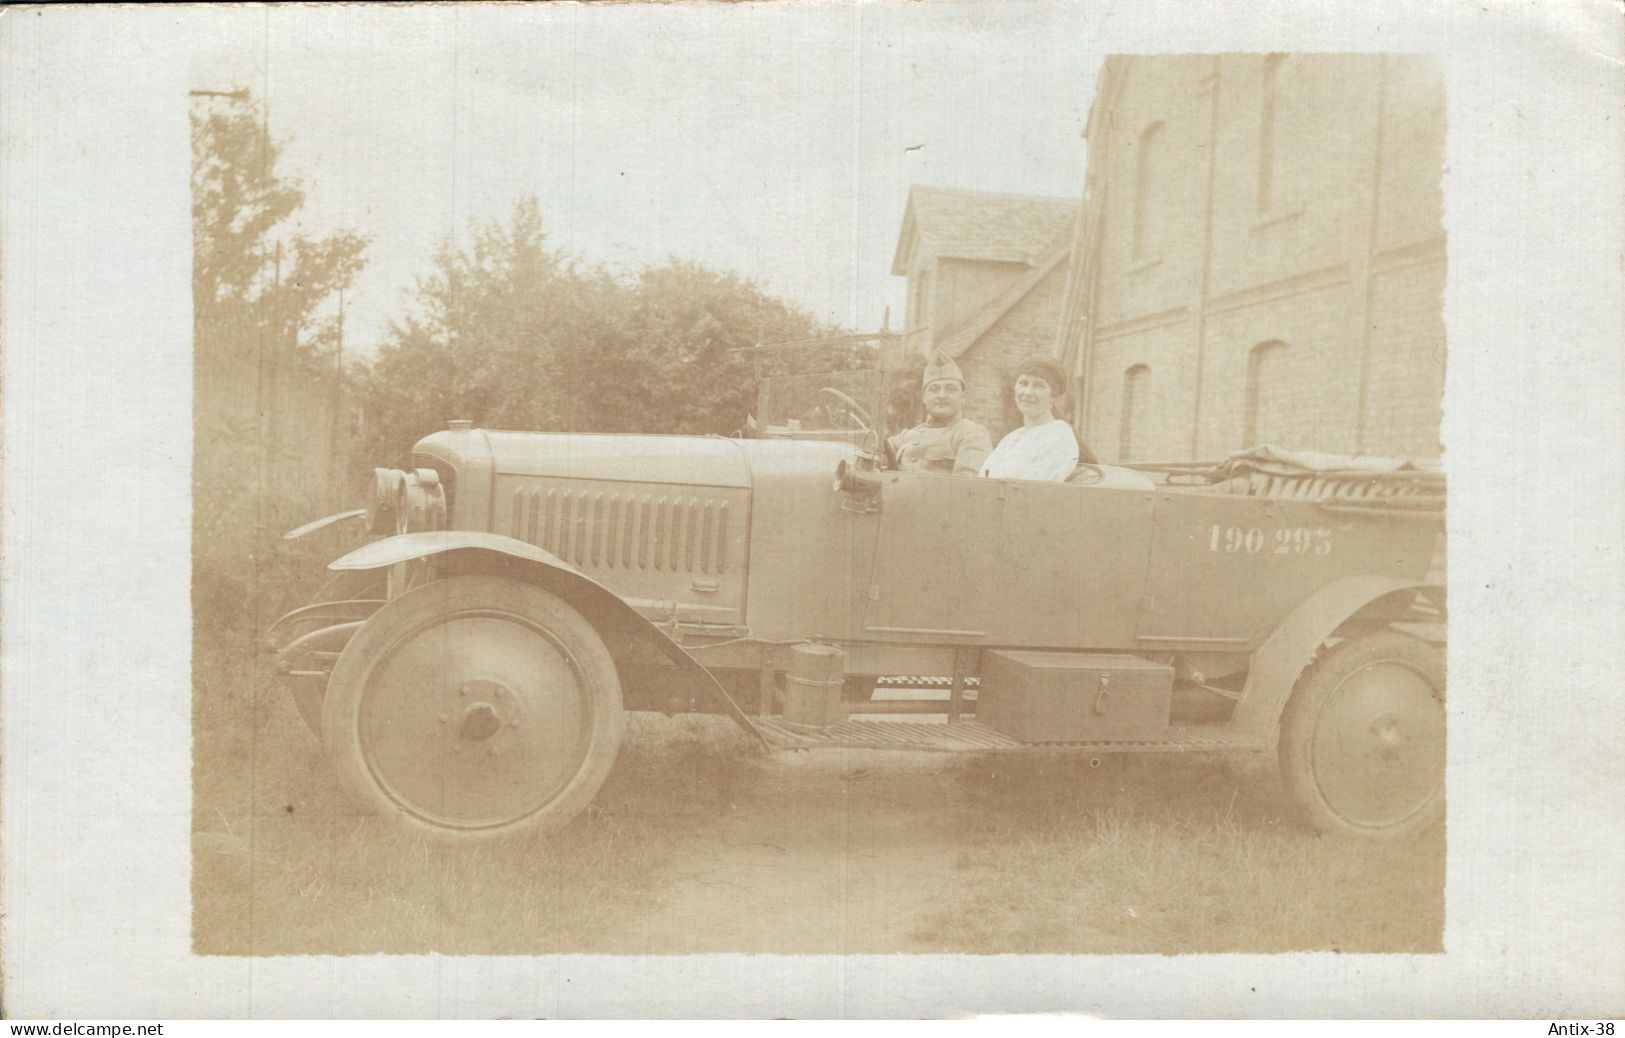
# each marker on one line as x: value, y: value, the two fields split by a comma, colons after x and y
x: 473, y: 707
x: 1363, y: 737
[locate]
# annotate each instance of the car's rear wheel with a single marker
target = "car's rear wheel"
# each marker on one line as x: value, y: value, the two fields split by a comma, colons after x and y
x: 474, y: 707
x: 1363, y: 737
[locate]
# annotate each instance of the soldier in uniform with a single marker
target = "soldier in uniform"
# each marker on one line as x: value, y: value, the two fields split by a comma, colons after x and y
x: 947, y: 442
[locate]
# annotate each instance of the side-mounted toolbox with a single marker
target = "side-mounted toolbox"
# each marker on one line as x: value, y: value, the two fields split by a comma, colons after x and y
x: 1073, y: 696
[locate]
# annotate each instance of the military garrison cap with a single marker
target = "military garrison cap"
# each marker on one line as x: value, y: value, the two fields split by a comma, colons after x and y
x: 940, y: 367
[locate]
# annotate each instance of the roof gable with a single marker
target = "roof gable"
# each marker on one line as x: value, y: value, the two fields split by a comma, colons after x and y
x: 980, y: 225
x: 1058, y: 252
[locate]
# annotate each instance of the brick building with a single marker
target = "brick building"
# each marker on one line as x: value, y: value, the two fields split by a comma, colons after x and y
x: 986, y: 276
x: 1262, y: 258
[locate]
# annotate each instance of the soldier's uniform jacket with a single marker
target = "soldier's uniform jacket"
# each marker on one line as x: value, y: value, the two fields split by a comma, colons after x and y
x: 958, y: 448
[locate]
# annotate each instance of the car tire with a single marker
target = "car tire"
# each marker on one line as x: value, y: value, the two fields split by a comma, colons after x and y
x: 474, y: 707
x: 1362, y: 747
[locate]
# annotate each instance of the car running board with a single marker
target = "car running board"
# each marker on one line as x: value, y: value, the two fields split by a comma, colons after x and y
x: 970, y: 737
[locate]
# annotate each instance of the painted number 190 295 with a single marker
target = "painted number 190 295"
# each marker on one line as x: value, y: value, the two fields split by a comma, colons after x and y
x: 1283, y: 540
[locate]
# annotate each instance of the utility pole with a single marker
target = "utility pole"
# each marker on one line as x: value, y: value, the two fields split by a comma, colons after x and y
x: 336, y: 466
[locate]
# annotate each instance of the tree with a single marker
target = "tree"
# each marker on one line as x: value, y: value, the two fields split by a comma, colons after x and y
x: 487, y: 336
x: 259, y: 291
x: 511, y: 333
x: 257, y: 283
x: 676, y: 372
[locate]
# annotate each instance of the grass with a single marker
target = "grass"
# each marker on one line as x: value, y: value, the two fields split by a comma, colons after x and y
x: 1159, y: 854
x: 312, y: 876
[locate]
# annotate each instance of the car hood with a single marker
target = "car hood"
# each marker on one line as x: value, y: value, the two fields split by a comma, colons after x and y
x: 712, y: 461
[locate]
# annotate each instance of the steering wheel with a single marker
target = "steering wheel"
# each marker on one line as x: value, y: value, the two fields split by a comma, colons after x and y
x: 853, y: 410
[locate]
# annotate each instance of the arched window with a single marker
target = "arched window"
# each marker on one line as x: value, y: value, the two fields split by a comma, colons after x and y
x: 1264, y: 414
x: 1150, y: 173
x: 1132, y: 416
x: 1267, y: 199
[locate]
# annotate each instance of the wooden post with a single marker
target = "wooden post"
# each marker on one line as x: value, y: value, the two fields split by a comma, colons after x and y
x: 956, y: 693
x: 764, y: 686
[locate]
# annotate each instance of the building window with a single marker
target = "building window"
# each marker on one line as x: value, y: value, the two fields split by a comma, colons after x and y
x: 1263, y: 416
x: 1150, y: 172
x: 1132, y: 416
x: 920, y: 312
x: 1267, y: 118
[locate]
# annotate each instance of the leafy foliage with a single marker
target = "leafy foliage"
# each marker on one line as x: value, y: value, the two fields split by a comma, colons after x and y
x: 511, y: 333
x: 259, y: 289
x: 258, y: 284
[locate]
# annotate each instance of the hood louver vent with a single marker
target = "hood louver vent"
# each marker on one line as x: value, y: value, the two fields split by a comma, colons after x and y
x: 595, y: 529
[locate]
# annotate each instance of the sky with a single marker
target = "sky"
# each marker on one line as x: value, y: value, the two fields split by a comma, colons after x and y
x: 776, y: 141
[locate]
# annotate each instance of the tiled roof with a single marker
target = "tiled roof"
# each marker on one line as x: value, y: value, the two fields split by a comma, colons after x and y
x: 982, y: 225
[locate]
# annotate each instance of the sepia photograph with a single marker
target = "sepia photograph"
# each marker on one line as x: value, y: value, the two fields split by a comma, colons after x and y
x: 849, y: 509
x: 1066, y: 550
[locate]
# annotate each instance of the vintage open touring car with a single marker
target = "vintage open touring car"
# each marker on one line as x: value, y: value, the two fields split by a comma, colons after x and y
x: 468, y: 672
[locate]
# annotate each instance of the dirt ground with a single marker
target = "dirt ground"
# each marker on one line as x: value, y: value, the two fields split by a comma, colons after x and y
x: 699, y: 843
x: 873, y: 852
x: 832, y: 851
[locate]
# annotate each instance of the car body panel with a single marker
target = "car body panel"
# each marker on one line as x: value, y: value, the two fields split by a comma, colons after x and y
x: 1008, y: 562
x: 1076, y: 561
x: 810, y: 557
x: 1225, y: 570
x: 930, y: 576
x: 753, y: 534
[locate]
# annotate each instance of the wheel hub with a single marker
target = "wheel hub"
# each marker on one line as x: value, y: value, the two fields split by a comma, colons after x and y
x: 484, y: 709
x: 1379, y: 744
x: 475, y: 720
x: 480, y: 722
x: 1387, y: 738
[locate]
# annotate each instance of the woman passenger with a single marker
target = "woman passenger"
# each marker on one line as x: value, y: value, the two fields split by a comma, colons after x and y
x: 1043, y: 447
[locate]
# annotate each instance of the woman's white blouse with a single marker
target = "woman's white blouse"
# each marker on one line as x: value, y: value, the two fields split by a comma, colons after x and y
x: 1047, y: 452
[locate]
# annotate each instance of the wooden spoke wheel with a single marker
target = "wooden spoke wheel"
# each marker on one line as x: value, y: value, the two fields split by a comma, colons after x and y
x: 475, y: 706
x: 1363, y: 737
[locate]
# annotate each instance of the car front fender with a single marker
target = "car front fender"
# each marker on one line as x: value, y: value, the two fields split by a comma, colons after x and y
x: 586, y: 594
x: 408, y: 547
x: 1291, y: 647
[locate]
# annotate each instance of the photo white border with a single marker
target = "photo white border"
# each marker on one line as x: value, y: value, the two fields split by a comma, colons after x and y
x: 94, y: 591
